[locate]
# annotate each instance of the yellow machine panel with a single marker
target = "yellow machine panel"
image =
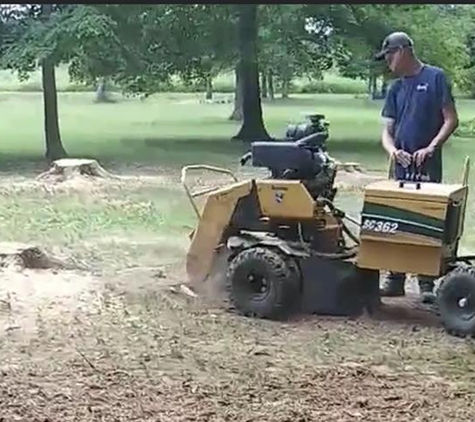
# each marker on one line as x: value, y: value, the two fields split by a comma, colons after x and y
x: 410, y: 229
x: 215, y: 216
x: 285, y: 199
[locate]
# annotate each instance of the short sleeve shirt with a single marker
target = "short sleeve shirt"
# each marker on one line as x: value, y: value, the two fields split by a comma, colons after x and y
x: 415, y: 103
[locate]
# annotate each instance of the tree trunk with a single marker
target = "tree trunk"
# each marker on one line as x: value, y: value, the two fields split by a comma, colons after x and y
x: 238, y: 93
x: 252, y: 128
x: 54, y: 146
x: 285, y: 87
x: 384, y: 88
x: 370, y: 84
x: 373, y: 87
x: 264, y: 84
x: 209, y: 87
x: 270, y: 82
x: 101, y: 91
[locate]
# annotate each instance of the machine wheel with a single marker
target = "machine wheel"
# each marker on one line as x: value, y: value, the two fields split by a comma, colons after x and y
x: 456, y: 301
x: 263, y: 283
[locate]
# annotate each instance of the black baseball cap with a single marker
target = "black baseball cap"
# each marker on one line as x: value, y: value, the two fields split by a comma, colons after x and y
x: 394, y: 41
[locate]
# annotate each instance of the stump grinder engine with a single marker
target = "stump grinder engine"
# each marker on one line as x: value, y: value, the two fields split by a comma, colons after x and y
x: 288, y: 249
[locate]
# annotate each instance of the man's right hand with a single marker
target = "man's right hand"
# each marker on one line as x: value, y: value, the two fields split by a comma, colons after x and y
x: 403, y: 157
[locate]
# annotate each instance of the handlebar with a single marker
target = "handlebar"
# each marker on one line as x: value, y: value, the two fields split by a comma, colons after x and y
x: 185, y: 170
x: 413, y: 174
x: 245, y: 158
x: 307, y: 142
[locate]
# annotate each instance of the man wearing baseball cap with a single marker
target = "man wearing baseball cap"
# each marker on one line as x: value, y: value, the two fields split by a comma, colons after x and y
x: 419, y: 116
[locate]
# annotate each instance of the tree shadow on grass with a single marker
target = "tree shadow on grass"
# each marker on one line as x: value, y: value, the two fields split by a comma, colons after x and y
x: 227, y: 146
x: 173, y: 153
x: 27, y: 165
x: 220, y: 149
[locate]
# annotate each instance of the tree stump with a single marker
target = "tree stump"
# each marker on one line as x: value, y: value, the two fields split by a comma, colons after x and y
x: 352, y: 177
x: 349, y: 167
x: 22, y: 256
x: 67, y: 168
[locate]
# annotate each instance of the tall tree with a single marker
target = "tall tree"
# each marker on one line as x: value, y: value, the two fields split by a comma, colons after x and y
x: 45, y: 35
x: 238, y: 93
x: 289, y: 48
x: 54, y: 146
x: 24, y: 24
x: 438, y: 33
x: 252, y: 127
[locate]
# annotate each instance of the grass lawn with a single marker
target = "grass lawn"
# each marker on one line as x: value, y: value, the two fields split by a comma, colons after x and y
x: 116, y: 341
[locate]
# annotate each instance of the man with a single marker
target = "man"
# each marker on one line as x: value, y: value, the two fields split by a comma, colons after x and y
x: 419, y: 116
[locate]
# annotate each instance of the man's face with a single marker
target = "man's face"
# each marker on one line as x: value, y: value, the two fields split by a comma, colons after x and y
x: 395, y: 60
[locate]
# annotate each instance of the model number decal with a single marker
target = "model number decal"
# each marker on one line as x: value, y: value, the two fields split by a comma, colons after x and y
x: 380, y: 226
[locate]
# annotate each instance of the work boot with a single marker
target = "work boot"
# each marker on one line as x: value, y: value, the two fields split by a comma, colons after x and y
x: 393, y: 285
x: 426, y: 289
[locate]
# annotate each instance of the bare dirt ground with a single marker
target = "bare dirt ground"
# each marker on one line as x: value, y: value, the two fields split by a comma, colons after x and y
x: 127, y: 344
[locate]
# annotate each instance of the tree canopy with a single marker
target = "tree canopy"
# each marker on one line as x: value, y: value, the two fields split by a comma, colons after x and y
x: 141, y: 47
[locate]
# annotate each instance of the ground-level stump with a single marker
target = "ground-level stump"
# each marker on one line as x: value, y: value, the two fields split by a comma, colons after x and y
x: 67, y: 168
x: 18, y: 255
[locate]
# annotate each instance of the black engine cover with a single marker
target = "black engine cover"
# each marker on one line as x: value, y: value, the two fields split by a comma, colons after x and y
x: 281, y: 156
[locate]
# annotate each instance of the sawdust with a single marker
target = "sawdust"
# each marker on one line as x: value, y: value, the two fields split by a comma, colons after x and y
x: 145, y: 355
x: 28, y: 296
x: 84, y: 184
x: 89, y: 386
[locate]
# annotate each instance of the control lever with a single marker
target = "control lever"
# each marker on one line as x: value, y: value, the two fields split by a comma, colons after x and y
x: 412, y: 174
x: 245, y: 158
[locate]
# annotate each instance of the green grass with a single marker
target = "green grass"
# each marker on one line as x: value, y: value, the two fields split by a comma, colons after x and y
x: 162, y: 134
x: 223, y: 83
x: 174, y: 129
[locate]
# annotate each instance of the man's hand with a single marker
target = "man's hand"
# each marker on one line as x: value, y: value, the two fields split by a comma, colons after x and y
x: 422, y: 154
x: 402, y: 157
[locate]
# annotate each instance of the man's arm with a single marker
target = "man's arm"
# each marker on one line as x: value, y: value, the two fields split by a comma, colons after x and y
x: 388, y: 140
x: 449, y: 112
x: 402, y: 157
x: 389, y: 113
x: 388, y: 136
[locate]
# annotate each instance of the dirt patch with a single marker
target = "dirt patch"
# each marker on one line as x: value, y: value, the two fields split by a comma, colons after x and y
x: 155, y: 354
x: 85, y: 184
x: 331, y: 394
x: 29, y: 297
x: 36, y: 287
x: 21, y: 256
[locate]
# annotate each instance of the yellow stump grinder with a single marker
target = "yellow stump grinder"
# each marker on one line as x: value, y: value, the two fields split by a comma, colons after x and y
x: 288, y: 248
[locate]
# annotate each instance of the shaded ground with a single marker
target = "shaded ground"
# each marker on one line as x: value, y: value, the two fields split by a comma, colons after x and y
x: 116, y: 339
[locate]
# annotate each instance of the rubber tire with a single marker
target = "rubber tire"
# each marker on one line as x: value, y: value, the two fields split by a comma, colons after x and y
x: 460, y: 279
x: 283, y: 295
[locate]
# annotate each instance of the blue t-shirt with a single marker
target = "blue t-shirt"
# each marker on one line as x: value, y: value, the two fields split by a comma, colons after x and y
x: 416, y: 103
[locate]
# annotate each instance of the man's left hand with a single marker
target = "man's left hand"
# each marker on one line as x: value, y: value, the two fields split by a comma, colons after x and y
x: 422, y: 154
